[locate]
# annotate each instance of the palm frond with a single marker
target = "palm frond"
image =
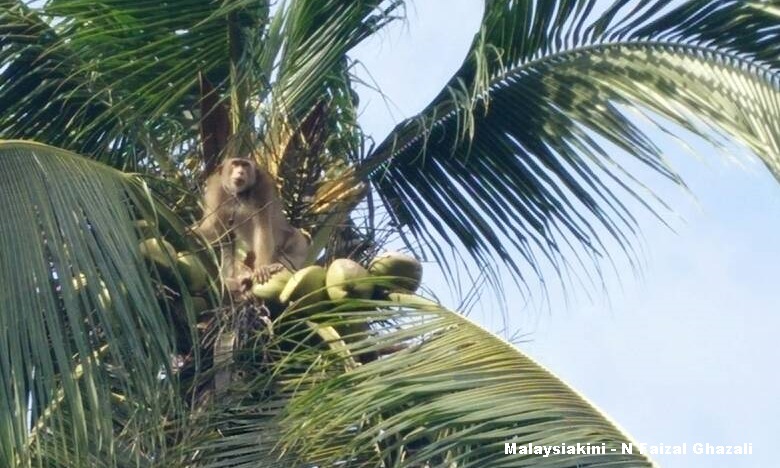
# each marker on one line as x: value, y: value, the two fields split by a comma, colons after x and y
x: 310, y: 134
x: 44, y: 93
x: 420, y: 386
x: 237, y: 432
x: 314, y: 38
x: 126, y: 72
x: 84, y: 342
x: 453, y: 397
x: 307, y: 48
x: 512, y: 160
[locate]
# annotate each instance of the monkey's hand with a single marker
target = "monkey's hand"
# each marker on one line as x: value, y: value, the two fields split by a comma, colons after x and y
x: 264, y: 272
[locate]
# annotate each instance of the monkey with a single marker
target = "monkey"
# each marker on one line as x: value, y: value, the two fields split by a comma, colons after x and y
x: 241, y: 207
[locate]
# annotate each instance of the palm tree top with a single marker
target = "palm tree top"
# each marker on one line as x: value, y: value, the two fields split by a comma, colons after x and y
x: 519, y: 164
x: 533, y: 117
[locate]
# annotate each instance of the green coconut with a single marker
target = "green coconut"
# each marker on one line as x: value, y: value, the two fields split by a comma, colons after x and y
x: 192, y: 270
x: 404, y: 272
x: 272, y: 289
x: 158, y: 251
x: 304, y: 282
x: 347, y: 278
x: 145, y: 228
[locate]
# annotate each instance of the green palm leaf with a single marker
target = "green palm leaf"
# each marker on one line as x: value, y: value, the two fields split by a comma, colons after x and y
x: 83, y: 338
x: 454, y: 396
x: 314, y: 38
x: 513, y: 157
x: 524, y: 128
x: 118, y: 80
x: 448, y: 394
x: 124, y: 72
x: 43, y: 93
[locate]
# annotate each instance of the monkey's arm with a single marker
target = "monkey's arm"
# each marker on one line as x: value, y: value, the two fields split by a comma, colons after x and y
x: 264, y: 247
x: 263, y: 242
x: 210, y: 226
x: 296, y: 249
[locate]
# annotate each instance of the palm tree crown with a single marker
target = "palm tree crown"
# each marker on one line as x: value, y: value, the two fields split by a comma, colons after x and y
x: 112, y: 113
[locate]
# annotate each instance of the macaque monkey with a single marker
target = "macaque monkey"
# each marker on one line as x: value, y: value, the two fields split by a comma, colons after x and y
x: 241, y: 207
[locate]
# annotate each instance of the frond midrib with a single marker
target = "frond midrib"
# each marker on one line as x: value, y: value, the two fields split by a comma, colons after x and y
x: 500, y: 80
x: 692, y: 50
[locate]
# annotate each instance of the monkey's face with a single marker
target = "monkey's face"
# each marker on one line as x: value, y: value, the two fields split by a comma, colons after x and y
x: 238, y: 175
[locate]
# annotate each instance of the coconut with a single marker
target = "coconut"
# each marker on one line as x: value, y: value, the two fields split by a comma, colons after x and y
x: 403, y: 271
x: 304, y: 282
x: 192, y: 270
x: 271, y: 289
x: 158, y: 251
x: 145, y: 228
x: 347, y: 278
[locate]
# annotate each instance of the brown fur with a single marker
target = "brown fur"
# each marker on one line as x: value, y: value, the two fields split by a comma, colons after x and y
x: 240, y: 204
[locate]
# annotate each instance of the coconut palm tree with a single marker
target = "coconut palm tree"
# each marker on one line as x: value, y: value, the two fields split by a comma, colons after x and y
x: 112, y: 113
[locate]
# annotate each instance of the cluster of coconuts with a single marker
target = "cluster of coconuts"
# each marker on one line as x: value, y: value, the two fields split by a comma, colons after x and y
x: 165, y: 258
x: 343, y: 278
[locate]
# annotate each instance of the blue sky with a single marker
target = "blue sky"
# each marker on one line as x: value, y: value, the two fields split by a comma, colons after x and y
x: 684, y: 353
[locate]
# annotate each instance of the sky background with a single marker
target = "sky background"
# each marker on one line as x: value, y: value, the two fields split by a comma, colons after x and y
x: 684, y: 353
